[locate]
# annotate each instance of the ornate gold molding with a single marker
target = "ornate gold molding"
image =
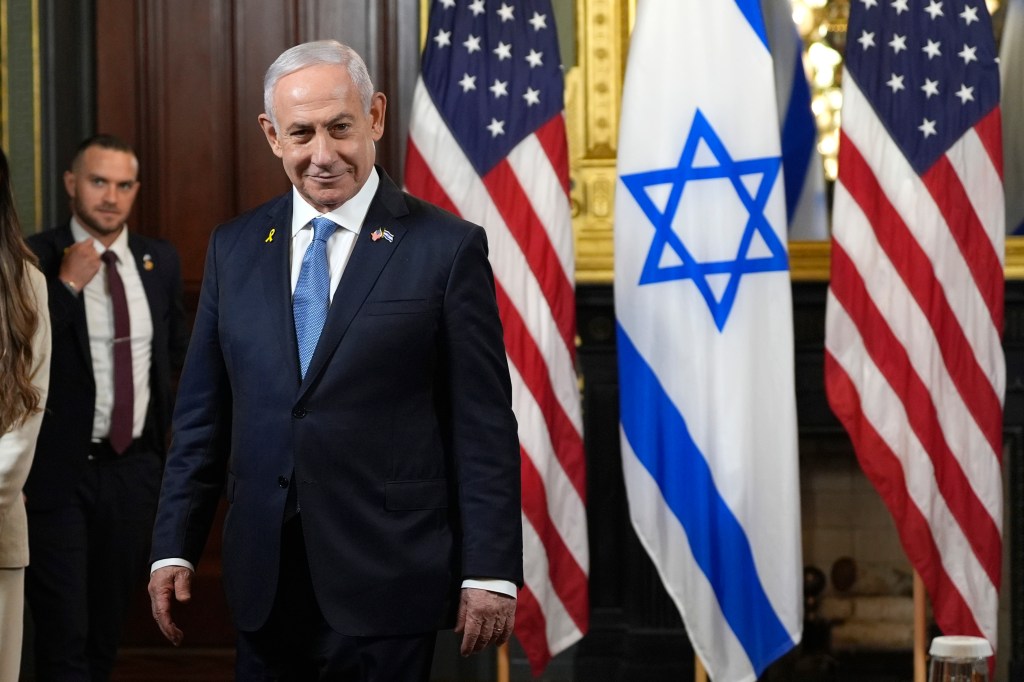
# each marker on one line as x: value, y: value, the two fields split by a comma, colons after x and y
x: 1014, y: 268
x: 592, y: 100
x: 809, y: 261
x: 21, y: 104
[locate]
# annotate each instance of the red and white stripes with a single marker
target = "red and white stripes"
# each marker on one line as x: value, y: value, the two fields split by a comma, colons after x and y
x: 523, y: 205
x: 914, y: 363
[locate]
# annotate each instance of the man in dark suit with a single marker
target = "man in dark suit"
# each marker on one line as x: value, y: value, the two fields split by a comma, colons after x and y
x: 118, y: 333
x: 347, y: 386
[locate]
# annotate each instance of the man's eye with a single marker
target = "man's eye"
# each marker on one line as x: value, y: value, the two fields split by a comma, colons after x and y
x: 126, y: 186
x: 339, y: 129
x: 97, y: 182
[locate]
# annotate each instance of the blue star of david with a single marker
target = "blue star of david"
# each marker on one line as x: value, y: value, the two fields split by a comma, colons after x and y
x: 665, y: 237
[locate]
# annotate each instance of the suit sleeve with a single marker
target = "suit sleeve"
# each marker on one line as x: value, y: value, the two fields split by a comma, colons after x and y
x: 62, y: 304
x: 195, y: 470
x: 484, y: 437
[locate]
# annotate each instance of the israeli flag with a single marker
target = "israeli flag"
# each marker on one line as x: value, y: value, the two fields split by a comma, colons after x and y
x: 705, y: 331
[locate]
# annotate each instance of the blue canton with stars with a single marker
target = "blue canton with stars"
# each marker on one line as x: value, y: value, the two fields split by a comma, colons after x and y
x: 928, y: 68
x: 757, y: 224
x: 493, y: 70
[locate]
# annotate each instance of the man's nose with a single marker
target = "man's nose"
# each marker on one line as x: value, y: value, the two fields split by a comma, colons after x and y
x: 323, y: 155
x: 110, y: 193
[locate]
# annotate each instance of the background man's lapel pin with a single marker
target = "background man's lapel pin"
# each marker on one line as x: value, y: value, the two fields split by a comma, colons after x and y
x: 147, y: 262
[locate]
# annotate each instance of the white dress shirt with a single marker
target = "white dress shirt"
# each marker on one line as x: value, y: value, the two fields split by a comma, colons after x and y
x: 99, y: 317
x: 348, y: 217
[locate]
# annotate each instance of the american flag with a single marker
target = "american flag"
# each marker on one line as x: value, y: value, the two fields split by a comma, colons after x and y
x: 487, y: 141
x: 914, y: 367
x: 1011, y: 62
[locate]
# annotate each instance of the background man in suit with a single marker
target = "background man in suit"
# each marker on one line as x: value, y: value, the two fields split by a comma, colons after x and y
x: 372, y: 469
x: 118, y: 332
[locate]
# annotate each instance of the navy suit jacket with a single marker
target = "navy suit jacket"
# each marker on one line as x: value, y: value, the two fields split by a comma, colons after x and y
x: 64, y: 439
x: 401, y: 438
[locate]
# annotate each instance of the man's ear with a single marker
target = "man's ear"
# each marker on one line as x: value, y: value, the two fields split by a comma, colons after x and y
x: 69, y: 183
x: 270, y: 130
x: 378, y: 106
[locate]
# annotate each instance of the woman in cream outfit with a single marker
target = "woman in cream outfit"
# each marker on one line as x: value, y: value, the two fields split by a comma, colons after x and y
x: 25, y: 368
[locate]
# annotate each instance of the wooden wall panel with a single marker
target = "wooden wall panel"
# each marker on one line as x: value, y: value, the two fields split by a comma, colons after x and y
x: 187, y: 106
x: 117, y: 85
x: 117, y: 68
x: 350, y: 21
x: 262, y: 31
x: 399, y: 64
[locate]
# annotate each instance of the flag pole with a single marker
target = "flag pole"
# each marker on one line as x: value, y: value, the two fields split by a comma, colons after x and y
x: 699, y: 674
x: 502, y: 663
x: 920, y: 635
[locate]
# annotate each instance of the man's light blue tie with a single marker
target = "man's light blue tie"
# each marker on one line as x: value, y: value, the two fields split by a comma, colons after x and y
x: 312, y: 292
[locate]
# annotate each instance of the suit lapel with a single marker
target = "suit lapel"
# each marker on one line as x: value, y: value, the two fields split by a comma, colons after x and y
x: 274, y: 233
x: 81, y: 326
x: 150, y: 278
x: 369, y: 256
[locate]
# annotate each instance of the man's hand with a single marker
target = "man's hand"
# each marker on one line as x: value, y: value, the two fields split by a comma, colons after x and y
x: 166, y: 586
x: 80, y: 264
x: 485, y: 618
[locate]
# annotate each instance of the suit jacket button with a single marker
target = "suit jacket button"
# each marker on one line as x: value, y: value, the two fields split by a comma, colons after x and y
x: 282, y: 481
x: 299, y: 412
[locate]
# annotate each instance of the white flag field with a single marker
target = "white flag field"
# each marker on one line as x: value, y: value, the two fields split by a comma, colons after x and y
x: 704, y: 330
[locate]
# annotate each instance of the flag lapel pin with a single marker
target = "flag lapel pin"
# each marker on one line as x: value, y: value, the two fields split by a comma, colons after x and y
x: 380, y: 232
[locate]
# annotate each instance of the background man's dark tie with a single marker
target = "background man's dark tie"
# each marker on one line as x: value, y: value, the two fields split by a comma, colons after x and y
x: 122, y: 417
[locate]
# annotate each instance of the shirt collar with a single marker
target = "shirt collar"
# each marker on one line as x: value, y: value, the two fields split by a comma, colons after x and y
x: 119, y: 245
x: 349, y: 215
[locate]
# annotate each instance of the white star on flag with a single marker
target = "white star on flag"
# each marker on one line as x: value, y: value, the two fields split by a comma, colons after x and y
x: 934, y: 9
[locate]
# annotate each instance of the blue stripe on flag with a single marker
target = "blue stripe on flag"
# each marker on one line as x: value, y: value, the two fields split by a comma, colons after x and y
x: 658, y: 434
x: 798, y: 137
x: 751, y: 9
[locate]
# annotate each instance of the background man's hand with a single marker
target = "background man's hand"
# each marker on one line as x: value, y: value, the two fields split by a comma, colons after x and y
x: 168, y: 585
x: 484, y: 618
x: 80, y: 264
